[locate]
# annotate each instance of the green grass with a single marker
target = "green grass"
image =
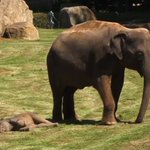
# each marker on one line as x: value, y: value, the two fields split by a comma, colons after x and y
x: 24, y: 87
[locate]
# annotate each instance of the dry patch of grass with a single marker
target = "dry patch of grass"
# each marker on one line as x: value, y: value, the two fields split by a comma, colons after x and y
x: 138, y: 145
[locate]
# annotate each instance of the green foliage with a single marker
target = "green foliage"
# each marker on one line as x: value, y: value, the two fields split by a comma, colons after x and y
x: 25, y: 87
x: 40, y: 20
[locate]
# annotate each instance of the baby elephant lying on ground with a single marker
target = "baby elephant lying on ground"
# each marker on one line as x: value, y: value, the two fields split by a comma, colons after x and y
x: 24, y: 122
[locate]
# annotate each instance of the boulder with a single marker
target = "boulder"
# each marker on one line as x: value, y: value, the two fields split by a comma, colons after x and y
x: 70, y: 16
x: 14, y: 11
x: 2, y: 26
x: 21, y: 30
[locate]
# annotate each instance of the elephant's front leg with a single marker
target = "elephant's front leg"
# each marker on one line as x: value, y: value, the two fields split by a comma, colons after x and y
x: 103, y: 85
x: 116, y: 86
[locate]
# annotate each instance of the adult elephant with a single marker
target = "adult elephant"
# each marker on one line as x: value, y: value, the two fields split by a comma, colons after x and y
x: 95, y: 54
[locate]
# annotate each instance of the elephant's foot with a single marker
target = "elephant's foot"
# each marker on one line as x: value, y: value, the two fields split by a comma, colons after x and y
x: 57, y: 119
x: 138, y: 120
x: 104, y: 122
x: 109, y: 120
x: 70, y: 121
x: 108, y: 117
x: 71, y: 118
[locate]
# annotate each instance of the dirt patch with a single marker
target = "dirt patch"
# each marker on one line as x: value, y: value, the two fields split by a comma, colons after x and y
x: 4, y: 71
x: 138, y: 145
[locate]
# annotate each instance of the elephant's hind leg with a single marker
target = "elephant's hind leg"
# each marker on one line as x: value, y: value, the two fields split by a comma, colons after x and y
x: 68, y: 104
x: 57, y: 104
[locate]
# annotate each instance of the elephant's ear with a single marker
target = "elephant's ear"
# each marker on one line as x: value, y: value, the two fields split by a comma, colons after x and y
x: 117, y: 43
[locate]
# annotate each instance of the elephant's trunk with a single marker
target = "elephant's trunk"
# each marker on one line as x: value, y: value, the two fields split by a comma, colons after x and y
x: 145, y: 100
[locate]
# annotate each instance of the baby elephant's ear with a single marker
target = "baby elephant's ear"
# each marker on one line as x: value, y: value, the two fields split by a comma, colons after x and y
x: 117, y: 43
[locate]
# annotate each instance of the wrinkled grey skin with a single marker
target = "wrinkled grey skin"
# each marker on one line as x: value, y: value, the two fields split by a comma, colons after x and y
x: 96, y: 54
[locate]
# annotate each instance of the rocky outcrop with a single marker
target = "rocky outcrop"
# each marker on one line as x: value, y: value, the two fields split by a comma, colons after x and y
x: 70, y: 16
x: 21, y: 30
x: 15, y: 11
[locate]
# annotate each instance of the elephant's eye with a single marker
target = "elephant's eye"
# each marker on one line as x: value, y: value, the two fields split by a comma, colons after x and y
x: 130, y: 41
x: 139, y: 55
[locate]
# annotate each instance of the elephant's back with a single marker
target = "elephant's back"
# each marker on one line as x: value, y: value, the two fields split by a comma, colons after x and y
x: 94, y: 25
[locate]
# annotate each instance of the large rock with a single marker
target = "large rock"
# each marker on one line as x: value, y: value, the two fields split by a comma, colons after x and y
x: 70, y: 16
x: 21, y: 30
x: 14, y: 11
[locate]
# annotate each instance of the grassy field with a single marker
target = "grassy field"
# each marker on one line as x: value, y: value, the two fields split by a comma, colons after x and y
x: 24, y: 87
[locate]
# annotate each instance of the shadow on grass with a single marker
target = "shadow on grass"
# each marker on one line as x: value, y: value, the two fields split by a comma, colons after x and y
x: 79, y: 122
x: 91, y: 122
x: 84, y: 122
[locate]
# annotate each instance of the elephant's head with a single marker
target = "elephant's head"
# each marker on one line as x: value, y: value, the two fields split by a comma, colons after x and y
x: 132, y: 47
x: 5, y: 126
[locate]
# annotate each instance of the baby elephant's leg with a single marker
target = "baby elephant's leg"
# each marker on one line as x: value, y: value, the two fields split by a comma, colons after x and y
x: 50, y: 124
x: 28, y: 127
x: 41, y: 121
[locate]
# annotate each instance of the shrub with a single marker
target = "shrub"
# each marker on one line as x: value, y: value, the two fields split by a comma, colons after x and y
x: 40, y: 20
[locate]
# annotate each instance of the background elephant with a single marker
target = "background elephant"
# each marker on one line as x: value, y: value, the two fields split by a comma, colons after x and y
x: 70, y: 16
x: 95, y: 54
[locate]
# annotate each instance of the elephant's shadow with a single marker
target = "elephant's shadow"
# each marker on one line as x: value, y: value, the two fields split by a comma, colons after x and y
x: 84, y: 122
x: 79, y: 122
x: 91, y: 122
